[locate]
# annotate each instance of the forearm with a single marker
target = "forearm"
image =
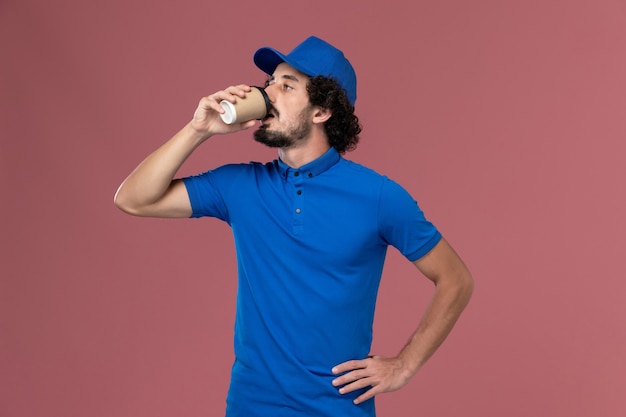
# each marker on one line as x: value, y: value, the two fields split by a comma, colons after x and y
x: 151, y: 180
x: 150, y: 190
x: 447, y: 304
x: 389, y: 374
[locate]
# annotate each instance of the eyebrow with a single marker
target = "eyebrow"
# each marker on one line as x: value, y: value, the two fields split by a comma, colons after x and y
x: 286, y: 76
x: 291, y: 77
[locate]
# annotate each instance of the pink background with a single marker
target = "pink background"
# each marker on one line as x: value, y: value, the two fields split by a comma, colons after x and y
x: 505, y: 119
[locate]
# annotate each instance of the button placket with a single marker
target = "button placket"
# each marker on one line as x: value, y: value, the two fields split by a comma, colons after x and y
x: 298, y: 207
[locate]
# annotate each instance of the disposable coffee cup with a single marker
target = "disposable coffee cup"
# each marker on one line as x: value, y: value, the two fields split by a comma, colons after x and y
x: 254, y: 105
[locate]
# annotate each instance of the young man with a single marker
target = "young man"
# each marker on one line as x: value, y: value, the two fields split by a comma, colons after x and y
x: 311, y: 232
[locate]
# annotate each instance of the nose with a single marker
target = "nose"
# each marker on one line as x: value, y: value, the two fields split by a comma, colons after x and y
x: 270, y: 92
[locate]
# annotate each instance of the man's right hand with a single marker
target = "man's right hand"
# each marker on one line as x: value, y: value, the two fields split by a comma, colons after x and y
x: 206, y: 119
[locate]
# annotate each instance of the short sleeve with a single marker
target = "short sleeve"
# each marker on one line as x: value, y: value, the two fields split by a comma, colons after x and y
x: 206, y: 195
x: 403, y: 224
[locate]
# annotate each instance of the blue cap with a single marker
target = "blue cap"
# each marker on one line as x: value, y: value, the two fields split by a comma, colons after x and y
x: 312, y: 57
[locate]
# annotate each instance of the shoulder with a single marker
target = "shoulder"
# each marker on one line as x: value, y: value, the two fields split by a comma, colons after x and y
x: 360, y: 174
x: 371, y: 178
x: 229, y: 177
x: 359, y: 169
x: 235, y: 169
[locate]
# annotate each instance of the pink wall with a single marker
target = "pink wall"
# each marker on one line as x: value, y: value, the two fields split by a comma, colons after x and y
x: 506, y: 119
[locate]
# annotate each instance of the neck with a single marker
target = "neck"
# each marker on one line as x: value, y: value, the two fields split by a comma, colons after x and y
x: 297, y: 157
x: 306, y: 151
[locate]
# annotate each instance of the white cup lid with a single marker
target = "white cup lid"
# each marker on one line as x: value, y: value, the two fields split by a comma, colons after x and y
x: 230, y: 114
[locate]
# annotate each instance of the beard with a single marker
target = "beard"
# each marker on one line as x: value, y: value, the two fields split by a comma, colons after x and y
x: 293, y: 135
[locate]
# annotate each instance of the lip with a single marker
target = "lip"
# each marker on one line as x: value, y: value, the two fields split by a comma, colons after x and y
x: 268, y: 116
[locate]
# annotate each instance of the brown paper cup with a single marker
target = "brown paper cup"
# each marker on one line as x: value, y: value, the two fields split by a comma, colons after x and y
x: 254, y: 105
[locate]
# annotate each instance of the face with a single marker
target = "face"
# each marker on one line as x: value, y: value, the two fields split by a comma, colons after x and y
x: 289, y: 121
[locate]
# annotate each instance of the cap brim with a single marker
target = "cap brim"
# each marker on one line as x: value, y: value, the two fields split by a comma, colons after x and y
x: 267, y: 59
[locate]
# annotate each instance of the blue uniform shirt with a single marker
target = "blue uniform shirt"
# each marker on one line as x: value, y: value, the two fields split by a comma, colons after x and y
x: 311, y: 244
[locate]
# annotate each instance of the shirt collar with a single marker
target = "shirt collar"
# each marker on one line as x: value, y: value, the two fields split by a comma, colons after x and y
x: 313, y: 168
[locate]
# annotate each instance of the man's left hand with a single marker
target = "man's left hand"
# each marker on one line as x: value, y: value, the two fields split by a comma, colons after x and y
x: 381, y: 374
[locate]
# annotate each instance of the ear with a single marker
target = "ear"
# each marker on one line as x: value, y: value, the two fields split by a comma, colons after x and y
x: 321, y: 114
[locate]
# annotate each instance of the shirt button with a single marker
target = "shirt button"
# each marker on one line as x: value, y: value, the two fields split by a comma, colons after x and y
x: 298, y: 211
x: 295, y: 174
x: 299, y: 192
x: 310, y: 175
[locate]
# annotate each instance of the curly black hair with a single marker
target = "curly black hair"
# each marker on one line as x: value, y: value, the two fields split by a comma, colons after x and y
x: 343, y: 127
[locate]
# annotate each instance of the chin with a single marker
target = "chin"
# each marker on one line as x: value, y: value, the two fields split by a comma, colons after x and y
x: 272, y: 138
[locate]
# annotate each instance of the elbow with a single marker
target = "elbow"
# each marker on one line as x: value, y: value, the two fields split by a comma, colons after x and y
x: 122, y: 202
x: 465, y: 286
x: 460, y: 286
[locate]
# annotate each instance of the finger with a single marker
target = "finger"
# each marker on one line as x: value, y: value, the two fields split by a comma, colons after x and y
x: 230, y: 94
x: 370, y: 393
x: 349, y: 366
x: 210, y: 103
x: 356, y: 385
x: 242, y: 89
x: 350, y: 377
x: 248, y: 124
x: 235, y: 91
